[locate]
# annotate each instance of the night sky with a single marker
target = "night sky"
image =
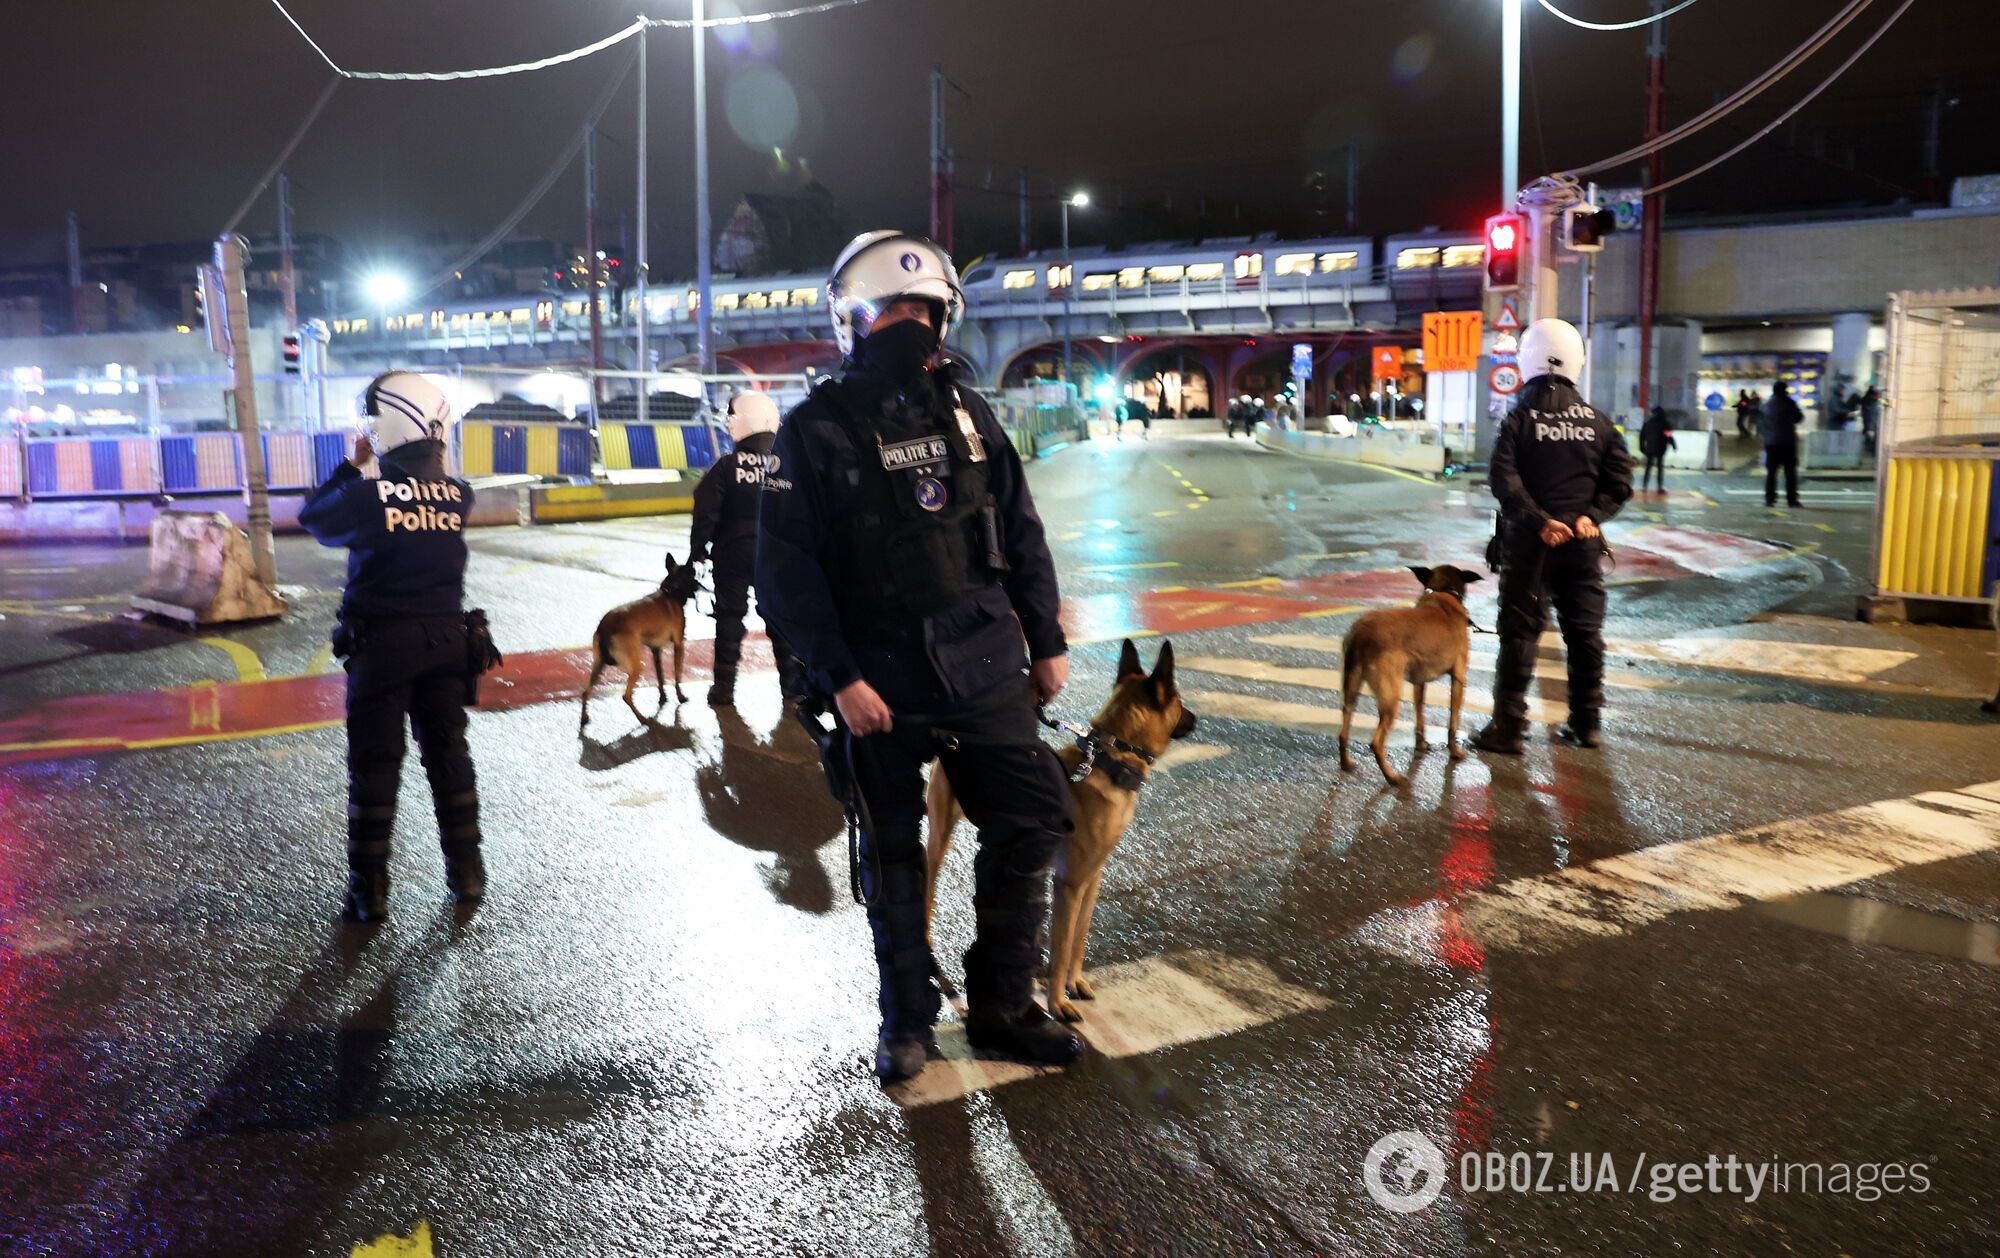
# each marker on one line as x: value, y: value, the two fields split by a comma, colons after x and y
x: 153, y: 119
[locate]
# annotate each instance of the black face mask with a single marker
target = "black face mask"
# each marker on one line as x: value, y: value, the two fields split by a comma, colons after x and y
x: 898, y: 351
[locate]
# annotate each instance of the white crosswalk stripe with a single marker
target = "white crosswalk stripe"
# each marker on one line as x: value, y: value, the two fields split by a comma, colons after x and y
x: 1624, y: 893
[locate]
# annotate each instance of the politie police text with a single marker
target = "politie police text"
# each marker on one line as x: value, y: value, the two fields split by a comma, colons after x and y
x: 423, y: 517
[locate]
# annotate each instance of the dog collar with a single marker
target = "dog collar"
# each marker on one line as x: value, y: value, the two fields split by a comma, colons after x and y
x: 1094, y: 742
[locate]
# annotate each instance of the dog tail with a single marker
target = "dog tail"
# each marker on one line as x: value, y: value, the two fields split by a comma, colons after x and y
x: 603, y: 643
x: 1349, y: 663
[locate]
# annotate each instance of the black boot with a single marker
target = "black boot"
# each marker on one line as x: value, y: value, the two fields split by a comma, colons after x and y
x: 723, y: 693
x: 367, y: 898
x: 1578, y: 733
x: 1500, y: 739
x: 899, y: 1057
x: 465, y: 876
x: 1028, y: 1033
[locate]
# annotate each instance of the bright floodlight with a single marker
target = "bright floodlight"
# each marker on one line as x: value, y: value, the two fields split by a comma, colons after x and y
x: 1079, y: 200
x: 385, y: 288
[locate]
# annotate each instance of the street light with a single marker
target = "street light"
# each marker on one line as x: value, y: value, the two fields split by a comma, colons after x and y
x: 1080, y: 200
x: 386, y: 288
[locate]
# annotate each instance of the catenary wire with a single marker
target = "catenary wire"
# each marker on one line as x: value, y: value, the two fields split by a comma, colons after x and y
x: 1616, y: 26
x: 1782, y: 118
x: 1742, y: 95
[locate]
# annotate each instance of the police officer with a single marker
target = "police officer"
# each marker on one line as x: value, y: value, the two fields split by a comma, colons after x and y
x: 901, y: 558
x: 403, y: 634
x: 1560, y: 470
x: 725, y: 530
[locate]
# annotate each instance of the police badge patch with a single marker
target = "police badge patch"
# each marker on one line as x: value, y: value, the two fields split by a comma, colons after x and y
x: 931, y: 494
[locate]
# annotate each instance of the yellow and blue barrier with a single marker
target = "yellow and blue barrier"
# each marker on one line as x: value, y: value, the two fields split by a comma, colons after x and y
x: 69, y: 467
x: 1939, y: 519
x: 644, y: 447
x: 209, y: 461
x: 490, y: 449
x: 10, y: 470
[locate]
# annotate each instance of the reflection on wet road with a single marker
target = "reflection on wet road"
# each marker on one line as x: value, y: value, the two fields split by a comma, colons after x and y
x: 1761, y: 921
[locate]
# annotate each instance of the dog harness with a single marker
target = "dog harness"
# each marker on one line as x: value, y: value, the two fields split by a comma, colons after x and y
x: 1094, y: 742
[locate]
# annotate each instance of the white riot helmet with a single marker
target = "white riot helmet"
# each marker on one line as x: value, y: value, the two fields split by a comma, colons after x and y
x: 1551, y: 347
x: 404, y: 407
x: 751, y: 413
x: 879, y: 267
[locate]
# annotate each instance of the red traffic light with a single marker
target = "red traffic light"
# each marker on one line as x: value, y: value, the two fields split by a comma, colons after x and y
x: 1505, y: 233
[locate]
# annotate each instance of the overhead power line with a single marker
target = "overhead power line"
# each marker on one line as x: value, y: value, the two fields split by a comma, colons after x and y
x: 1782, y: 118
x: 1608, y: 26
x: 1743, y: 95
x: 561, y: 58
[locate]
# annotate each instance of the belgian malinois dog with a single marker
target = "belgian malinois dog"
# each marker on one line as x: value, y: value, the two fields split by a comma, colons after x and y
x: 1417, y: 644
x: 1144, y: 714
x: 655, y: 621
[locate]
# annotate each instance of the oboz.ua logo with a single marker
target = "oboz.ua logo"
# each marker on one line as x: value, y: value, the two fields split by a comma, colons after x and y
x: 1403, y: 1172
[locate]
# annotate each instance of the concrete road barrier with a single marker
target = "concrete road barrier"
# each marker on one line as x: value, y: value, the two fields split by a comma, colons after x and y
x: 201, y: 572
x: 1696, y: 449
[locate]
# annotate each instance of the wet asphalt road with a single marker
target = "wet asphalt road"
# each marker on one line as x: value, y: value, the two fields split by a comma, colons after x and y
x: 651, y: 1038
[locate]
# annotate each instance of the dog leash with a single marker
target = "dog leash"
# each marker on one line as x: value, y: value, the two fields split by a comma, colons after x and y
x: 1093, y: 741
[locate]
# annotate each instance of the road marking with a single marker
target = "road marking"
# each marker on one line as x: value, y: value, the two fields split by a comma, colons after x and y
x: 1313, y: 717
x: 37, y: 572
x: 1253, y: 583
x: 1141, y: 1007
x: 246, y: 662
x: 1178, y: 754
x: 1129, y: 567
x: 1483, y: 656
x: 1806, y: 661
x: 1338, y: 554
x: 321, y: 662
x: 1804, y: 493
x: 1622, y: 894
x: 416, y: 1245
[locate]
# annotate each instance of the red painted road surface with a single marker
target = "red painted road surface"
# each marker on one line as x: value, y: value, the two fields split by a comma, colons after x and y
x: 90, y: 725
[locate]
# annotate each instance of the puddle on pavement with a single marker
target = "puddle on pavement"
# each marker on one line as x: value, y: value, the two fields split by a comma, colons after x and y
x: 1861, y: 920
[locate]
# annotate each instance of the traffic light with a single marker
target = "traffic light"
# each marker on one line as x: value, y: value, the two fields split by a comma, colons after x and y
x: 292, y: 355
x: 1585, y: 227
x: 1505, y: 235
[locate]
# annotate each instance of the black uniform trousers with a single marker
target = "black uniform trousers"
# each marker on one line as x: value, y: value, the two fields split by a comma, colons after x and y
x: 1012, y: 788
x: 413, y: 668
x: 1786, y: 457
x: 733, y: 567
x: 1531, y: 577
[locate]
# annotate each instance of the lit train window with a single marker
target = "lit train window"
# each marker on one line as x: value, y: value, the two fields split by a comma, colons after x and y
x: 1295, y: 264
x: 544, y: 311
x: 756, y: 301
x: 781, y: 297
x: 1464, y: 255
x: 340, y: 326
x: 1060, y: 276
x: 810, y: 296
x: 1132, y: 277
x: 726, y: 301
x: 1416, y: 259
x: 437, y: 318
x: 1166, y: 274
x: 1249, y: 265
x: 520, y: 315
x: 573, y: 307
x: 1098, y: 281
x: 1018, y: 279
x: 1202, y: 271
x: 359, y: 325
x: 1346, y: 261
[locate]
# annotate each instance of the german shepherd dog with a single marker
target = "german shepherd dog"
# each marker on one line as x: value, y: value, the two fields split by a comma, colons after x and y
x: 1143, y: 715
x: 655, y: 621
x: 1417, y: 644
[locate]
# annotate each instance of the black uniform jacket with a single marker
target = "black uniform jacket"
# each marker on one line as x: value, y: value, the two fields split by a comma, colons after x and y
x: 917, y: 663
x: 404, y: 533
x: 728, y: 498
x: 1558, y: 457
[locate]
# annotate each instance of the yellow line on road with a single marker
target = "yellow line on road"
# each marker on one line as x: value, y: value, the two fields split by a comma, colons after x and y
x: 1127, y: 567
x: 248, y: 666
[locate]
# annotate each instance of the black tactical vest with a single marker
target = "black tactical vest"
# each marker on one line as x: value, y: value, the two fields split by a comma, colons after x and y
x: 924, y: 531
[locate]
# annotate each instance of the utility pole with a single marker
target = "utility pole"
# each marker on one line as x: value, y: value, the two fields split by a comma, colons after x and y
x: 592, y: 263
x: 288, y: 275
x: 1510, y: 101
x: 1653, y: 208
x: 1933, y: 141
x: 1022, y: 185
x: 703, y: 261
x: 645, y: 315
x: 1353, y: 188
x: 75, y: 274
x: 940, y: 165
x: 230, y: 252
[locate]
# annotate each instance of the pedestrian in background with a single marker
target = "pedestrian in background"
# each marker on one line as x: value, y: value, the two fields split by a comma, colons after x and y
x: 1778, y: 425
x: 1656, y: 437
x: 1871, y: 416
x: 1746, y: 414
x: 724, y: 532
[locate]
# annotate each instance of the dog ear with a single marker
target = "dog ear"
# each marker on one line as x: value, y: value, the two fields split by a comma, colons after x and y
x: 1423, y: 576
x: 1470, y: 577
x: 670, y: 563
x: 1128, y: 662
x: 1163, y: 675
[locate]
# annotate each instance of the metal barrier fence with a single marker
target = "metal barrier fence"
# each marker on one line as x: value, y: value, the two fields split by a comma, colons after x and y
x: 1937, y: 514
x: 196, y: 463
